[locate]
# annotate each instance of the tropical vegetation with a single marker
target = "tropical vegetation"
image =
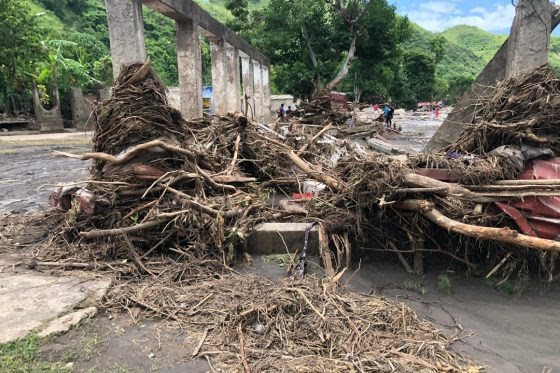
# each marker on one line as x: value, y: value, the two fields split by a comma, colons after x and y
x: 361, y: 47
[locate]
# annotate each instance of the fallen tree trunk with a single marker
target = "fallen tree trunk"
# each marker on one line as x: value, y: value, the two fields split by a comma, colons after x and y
x: 504, y: 234
x: 128, y: 154
x: 446, y: 189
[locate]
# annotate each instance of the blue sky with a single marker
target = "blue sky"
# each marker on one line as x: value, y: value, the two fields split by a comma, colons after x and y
x: 437, y: 15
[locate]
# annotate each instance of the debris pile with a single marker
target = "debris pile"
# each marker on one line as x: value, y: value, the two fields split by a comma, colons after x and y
x: 253, y: 324
x: 167, y: 210
x: 171, y: 203
x: 521, y: 111
x: 319, y: 111
x: 158, y: 180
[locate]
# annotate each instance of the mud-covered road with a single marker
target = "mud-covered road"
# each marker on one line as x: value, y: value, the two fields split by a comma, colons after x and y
x: 28, y: 171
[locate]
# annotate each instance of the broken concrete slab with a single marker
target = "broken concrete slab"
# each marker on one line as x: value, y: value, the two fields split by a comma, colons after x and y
x: 282, y: 238
x: 29, y: 301
x: 66, y: 322
x: 384, y: 147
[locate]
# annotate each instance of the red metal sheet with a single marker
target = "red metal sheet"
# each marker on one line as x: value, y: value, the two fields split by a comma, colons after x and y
x: 537, y: 215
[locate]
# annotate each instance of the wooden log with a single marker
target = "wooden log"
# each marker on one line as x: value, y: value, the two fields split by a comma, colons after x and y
x: 529, y: 182
x: 504, y: 234
x: 509, y: 188
x: 324, y: 251
x: 330, y: 181
x: 447, y: 189
x: 97, y: 233
x: 128, y: 154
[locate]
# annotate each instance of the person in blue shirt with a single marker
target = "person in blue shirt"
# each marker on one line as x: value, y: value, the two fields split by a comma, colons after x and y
x: 388, y: 114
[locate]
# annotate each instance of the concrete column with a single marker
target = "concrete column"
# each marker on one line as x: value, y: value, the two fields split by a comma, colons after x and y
x: 248, y: 87
x: 219, y: 76
x: 257, y: 79
x: 529, y: 37
x: 189, y: 65
x: 233, y: 79
x: 80, y: 112
x: 126, y: 33
x: 266, y: 93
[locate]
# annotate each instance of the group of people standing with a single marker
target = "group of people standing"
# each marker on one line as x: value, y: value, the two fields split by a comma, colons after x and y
x: 282, y: 112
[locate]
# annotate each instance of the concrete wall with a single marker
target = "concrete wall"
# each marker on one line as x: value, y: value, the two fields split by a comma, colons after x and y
x: 48, y: 120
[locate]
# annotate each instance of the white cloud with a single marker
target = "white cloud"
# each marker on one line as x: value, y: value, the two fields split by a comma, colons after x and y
x: 479, y: 10
x: 440, y: 7
x: 498, y: 19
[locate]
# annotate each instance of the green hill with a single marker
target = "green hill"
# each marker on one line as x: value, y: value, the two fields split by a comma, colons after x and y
x: 485, y: 44
x: 465, y: 50
x: 458, y: 60
x: 480, y: 42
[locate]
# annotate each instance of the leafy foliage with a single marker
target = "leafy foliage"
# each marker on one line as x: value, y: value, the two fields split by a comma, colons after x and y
x: 19, y: 50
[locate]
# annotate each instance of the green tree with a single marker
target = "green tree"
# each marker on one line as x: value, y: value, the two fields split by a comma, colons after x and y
x: 240, y: 11
x: 19, y: 49
x: 420, y: 70
x: 320, y: 40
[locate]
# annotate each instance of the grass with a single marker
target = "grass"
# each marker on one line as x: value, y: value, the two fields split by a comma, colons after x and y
x: 445, y: 285
x: 283, y: 260
x: 92, y: 344
x: 23, y: 356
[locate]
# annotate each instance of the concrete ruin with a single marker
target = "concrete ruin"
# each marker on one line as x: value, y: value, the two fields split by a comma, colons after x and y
x: 236, y: 66
x: 48, y: 120
x: 525, y: 49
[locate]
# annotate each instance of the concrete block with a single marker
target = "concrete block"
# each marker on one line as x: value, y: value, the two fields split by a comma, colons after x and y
x: 66, y: 322
x: 80, y: 110
x: 31, y: 301
x: 274, y: 238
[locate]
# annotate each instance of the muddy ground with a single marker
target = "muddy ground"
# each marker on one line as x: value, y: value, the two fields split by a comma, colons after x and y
x: 28, y: 170
x: 511, y: 332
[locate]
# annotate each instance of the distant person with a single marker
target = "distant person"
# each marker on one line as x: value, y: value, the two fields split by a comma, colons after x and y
x: 375, y: 108
x: 388, y: 113
x: 437, y: 112
x: 281, y: 112
x: 289, y: 111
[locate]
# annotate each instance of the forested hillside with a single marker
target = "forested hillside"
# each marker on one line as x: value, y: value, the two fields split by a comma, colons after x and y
x: 66, y: 41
